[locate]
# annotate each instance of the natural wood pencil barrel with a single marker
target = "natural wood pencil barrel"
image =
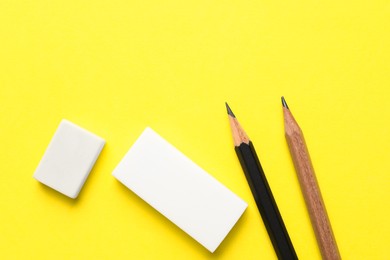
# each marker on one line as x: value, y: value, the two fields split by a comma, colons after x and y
x: 310, y: 189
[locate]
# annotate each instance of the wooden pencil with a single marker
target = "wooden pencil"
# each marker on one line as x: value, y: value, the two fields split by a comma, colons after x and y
x: 309, y: 186
x: 261, y: 191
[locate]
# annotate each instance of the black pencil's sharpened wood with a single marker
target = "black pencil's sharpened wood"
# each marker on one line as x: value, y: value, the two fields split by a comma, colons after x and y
x: 284, y: 103
x: 229, y: 111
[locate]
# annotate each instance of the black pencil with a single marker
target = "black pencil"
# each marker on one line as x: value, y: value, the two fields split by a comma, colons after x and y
x: 261, y: 191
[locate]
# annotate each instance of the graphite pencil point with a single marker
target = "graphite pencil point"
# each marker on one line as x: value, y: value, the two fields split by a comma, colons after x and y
x: 229, y: 111
x: 284, y: 103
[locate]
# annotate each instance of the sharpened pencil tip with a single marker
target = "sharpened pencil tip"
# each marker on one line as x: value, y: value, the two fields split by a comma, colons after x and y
x: 229, y: 111
x: 284, y: 103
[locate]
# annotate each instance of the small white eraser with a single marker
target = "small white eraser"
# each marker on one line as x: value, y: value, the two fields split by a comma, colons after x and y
x: 179, y: 189
x: 68, y: 159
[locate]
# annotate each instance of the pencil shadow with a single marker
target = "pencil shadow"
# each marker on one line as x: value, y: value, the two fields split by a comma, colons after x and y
x: 136, y: 202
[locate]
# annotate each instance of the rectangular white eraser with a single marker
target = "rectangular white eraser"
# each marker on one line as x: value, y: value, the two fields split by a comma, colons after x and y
x: 68, y: 159
x: 179, y: 189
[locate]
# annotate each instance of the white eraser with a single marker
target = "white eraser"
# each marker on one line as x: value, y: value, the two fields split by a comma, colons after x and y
x: 179, y: 189
x: 68, y: 159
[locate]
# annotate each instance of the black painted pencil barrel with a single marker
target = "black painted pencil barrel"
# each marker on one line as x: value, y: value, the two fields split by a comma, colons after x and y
x: 265, y: 201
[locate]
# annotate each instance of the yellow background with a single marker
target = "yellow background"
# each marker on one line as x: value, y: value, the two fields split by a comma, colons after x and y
x: 115, y: 67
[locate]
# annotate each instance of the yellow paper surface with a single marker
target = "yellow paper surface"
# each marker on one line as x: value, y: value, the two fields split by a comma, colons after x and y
x: 115, y: 67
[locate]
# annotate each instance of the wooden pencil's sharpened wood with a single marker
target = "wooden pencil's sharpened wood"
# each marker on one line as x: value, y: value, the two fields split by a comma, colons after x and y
x: 310, y: 189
